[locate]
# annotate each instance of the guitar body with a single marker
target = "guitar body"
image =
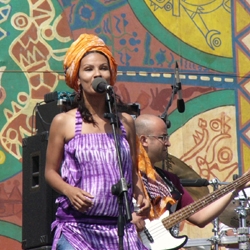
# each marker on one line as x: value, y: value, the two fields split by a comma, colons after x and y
x: 162, y: 238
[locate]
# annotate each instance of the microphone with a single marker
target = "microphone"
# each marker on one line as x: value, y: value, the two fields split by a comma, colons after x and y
x: 194, y: 183
x: 100, y: 85
x: 180, y: 101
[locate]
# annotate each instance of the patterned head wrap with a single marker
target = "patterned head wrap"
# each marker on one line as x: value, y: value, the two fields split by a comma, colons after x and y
x: 84, y: 44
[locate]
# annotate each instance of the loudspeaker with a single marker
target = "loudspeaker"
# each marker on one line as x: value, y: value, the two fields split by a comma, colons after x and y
x: 45, y: 114
x: 38, y: 197
x: 55, y: 103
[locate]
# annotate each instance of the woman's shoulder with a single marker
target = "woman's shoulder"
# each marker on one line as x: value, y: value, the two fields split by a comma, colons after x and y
x: 126, y: 118
x: 63, y: 124
x: 64, y: 117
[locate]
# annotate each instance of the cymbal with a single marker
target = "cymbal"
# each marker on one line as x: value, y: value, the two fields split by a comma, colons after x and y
x: 183, y: 171
x: 230, y: 216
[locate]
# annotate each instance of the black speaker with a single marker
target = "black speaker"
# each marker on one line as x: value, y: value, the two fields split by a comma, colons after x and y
x: 45, y: 114
x: 55, y: 103
x: 38, y: 197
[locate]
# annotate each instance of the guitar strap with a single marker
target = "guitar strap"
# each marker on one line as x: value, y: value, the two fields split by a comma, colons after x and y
x: 173, y: 190
x: 176, y: 194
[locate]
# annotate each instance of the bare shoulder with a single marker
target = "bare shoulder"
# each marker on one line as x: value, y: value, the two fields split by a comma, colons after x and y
x: 129, y: 124
x: 63, y: 123
x: 64, y: 118
x: 127, y: 119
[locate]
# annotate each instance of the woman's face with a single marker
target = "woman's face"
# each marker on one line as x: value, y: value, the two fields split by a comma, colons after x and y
x: 93, y: 65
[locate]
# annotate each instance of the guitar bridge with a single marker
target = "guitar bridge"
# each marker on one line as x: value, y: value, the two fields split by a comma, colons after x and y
x: 147, y: 233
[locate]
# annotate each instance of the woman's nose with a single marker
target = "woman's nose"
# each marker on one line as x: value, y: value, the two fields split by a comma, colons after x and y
x: 97, y: 72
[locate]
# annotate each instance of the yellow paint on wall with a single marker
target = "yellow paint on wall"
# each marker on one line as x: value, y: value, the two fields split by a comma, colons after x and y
x: 204, y: 25
x: 242, y: 17
x: 246, y: 157
x: 244, y: 107
x: 243, y: 63
x: 2, y: 157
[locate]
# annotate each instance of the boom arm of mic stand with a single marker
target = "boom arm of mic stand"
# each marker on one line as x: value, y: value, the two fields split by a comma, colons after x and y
x: 164, y: 114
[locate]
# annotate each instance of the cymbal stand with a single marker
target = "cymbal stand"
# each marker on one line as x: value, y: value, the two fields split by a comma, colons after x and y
x: 242, y: 231
x: 216, y: 238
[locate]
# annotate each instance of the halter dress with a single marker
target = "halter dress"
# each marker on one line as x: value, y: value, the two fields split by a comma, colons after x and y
x: 90, y: 163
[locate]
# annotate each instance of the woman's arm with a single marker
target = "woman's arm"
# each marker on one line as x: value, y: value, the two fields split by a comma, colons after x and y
x: 58, y: 134
x: 138, y: 190
x: 54, y: 154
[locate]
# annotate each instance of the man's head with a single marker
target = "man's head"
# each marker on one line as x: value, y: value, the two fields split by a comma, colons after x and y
x: 152, y: 132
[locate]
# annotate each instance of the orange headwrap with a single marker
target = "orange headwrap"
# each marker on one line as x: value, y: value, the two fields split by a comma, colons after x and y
x: 84, y: 44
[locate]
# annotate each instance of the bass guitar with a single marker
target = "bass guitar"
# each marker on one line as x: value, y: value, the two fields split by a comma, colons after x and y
x: 157, y: 234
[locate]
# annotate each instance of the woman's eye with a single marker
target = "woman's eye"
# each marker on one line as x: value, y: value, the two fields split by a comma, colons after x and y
x: 105, y: 68
x: 88, y: 69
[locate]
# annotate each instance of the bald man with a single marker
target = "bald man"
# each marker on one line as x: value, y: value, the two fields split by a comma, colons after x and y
x: 153, y: 135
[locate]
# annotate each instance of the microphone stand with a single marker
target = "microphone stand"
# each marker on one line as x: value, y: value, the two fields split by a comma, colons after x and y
x: 120, y: 189
x: 164, y: 115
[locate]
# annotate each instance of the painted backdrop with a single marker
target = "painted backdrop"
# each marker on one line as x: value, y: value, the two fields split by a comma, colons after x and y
x: 210, y: 41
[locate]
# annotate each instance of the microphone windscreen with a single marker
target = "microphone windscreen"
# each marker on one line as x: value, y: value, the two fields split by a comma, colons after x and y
x: 99, y: 85
x: 180, y: 105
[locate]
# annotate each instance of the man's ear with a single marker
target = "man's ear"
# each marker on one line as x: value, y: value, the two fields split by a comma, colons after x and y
x: 144, y: 140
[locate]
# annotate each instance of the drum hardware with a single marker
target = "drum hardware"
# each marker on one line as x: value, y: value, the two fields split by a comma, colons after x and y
x: 241, y: 211
x: 228, y: 240
x: 243, y: 231
x: 236, y: 215
x: 216, y: 238
x: 201, y: 243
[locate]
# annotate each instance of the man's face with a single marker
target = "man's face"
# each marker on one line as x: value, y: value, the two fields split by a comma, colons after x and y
x: 157, y: 143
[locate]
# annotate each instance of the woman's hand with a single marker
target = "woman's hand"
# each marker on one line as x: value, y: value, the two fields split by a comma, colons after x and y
x: 80, y: 200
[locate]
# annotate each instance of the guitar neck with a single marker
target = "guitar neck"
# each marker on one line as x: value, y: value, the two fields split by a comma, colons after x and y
x: 191, y: 209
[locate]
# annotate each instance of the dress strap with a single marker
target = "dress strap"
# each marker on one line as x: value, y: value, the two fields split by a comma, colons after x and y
x: 78, y: 124
x: 123, y: 129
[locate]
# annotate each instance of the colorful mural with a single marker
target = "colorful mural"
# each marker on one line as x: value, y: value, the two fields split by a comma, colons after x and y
x: 210, y: 40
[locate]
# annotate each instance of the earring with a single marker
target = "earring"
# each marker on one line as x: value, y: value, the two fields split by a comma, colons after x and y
x: 79, y: 93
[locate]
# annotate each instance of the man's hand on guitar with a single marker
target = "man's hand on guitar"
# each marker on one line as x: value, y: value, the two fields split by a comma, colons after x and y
x: 246, y: 184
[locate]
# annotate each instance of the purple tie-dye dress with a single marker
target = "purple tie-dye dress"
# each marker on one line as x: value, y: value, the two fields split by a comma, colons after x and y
x: 90, y: 163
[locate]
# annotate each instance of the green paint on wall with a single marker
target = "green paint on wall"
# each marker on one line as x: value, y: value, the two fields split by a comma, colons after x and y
x: 10, y: 230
